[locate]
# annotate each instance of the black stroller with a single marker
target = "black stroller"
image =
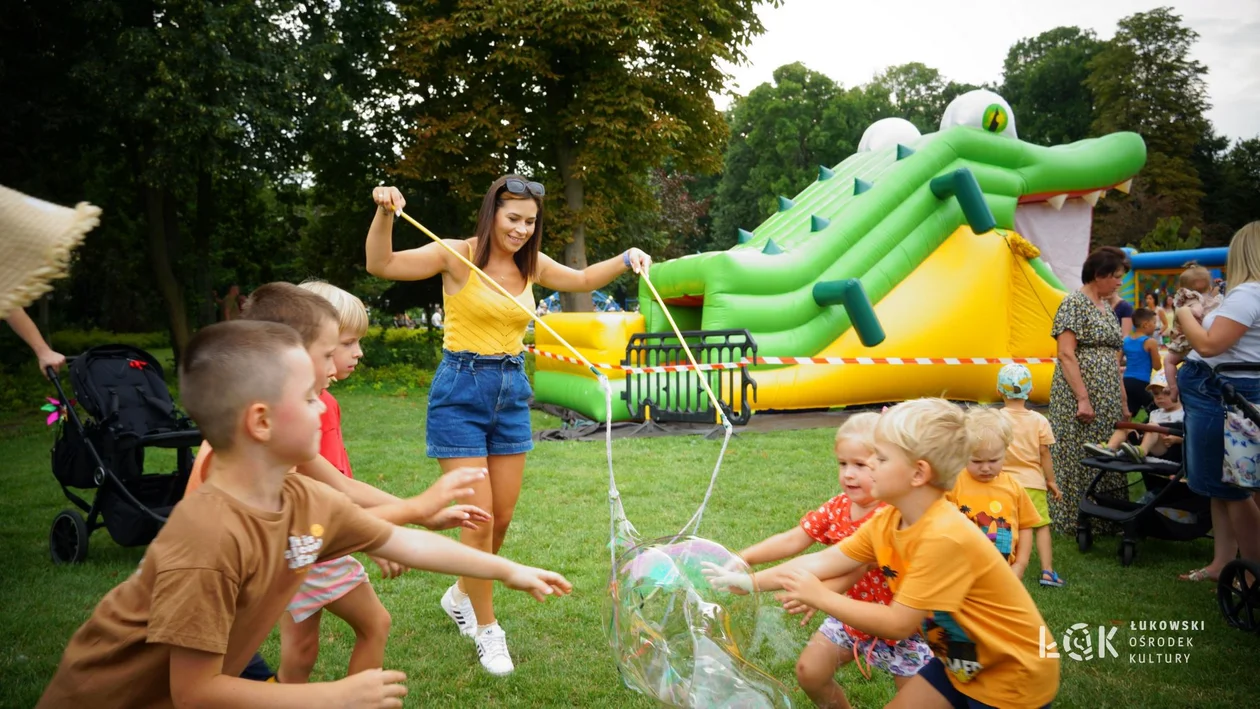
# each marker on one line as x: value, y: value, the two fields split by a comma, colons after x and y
x: 1168, y: 510
x: 128, y: 408
x: 1238, y: 596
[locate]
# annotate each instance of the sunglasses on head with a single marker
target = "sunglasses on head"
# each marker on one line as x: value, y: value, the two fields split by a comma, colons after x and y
x: 516, y: 186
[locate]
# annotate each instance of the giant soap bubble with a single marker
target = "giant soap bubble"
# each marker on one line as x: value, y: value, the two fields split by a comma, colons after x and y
x: 680, y: 641
x: 886, y: 133
x: 981, y: 109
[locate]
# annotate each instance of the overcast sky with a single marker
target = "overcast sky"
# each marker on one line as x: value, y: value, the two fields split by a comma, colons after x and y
x: 967, y: 41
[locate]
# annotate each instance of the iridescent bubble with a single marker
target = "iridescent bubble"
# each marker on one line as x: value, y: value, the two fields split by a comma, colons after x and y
x: 680, y: 641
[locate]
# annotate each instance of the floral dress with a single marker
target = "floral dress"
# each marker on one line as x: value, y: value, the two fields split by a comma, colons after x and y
x: 1098, y: 340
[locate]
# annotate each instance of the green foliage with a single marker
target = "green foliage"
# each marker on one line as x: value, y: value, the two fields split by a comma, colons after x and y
x: 1167, y: 236
x: 1044, y: 80
x: 395, y: 379
x: 72, y: 342
x: 386, y: 347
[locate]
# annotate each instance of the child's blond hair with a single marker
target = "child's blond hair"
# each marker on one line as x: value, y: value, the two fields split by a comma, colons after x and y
x: 352, y: 315
x: 859, y: 428
x: 931, y: 430
x: 988, y: 426
x: 1195, y: 277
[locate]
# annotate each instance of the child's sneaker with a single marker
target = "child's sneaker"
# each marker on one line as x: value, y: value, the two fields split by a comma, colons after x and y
x: 1132, y: 453
x: 492, y: 650
x: 1050, y: 578
x: 1098, y: 450
x: 457, y: 605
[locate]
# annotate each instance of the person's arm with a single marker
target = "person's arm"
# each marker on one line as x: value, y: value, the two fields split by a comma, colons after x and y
x: 1066, y: 352
x: 780, y: 546
x: 429, y: 508
x: 1225, y: 333
x: 197, y: 680
x: 1124, y: 393
x: 828, y: 563
x: 1171, y: 360
x: 418, y: 549
x: 894, y: 622
x: 411, y: 265
x: 1047, y: 470
x: 26, y: 329
x: 361, y: 493
x: 1023, y: 552
x: 557, y: 276
x: 840, y: 584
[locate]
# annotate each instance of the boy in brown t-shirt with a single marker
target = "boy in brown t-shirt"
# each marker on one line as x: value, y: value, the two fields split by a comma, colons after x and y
x: 214, y: 582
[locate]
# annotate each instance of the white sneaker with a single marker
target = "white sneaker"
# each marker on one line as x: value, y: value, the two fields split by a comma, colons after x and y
x: 460, y: 610
x: 492, y: 649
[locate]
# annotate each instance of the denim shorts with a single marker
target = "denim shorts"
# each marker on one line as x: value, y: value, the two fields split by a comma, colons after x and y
x: 937, y: 676
x: 1204, y: 451
x: 478, y: 407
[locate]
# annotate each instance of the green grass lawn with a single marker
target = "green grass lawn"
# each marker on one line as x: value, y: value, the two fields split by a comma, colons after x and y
x: 561, y: 653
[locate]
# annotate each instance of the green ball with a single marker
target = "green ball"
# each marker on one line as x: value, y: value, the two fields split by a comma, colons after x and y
x: 995, y: 118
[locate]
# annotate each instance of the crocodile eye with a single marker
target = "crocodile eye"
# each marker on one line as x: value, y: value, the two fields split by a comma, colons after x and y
x: 981, y: 109
x: 886, y: 133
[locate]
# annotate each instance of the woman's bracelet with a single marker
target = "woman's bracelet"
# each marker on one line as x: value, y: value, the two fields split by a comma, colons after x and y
x: 625, y: 258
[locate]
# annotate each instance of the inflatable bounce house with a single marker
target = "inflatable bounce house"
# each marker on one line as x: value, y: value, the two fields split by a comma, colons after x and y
x: 916, y: 267
x: 1156, y: 273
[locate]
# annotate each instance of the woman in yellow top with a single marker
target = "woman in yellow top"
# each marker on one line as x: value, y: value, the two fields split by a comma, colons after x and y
x: 478, y: 413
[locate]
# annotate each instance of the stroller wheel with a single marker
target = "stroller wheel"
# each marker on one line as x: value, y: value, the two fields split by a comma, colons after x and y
x: 1128, y: 552
x: 68, y: 539
x: 1084, y: 539
x: 1238, y: 597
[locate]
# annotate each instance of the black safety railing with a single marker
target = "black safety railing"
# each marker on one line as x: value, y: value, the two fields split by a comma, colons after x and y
x: 679, y: 396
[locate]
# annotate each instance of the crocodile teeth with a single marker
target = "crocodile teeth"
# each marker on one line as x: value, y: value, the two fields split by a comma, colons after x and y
x: 1092, y: 197
x: 1125, y: 186
x: 1057, y: 201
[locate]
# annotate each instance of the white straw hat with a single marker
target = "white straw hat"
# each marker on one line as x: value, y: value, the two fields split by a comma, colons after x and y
x: 36, y: 238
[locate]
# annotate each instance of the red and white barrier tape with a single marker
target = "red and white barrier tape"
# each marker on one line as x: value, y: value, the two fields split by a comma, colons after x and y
x: 745, y: 361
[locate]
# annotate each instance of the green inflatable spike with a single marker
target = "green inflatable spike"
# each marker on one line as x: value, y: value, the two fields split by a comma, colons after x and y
x: 903, y: 152
x: 771, y: 248
x: 850, y: 294
x: 825, y: 173
x: 785, y: 203
x: 961, y: 183
x: 860, y: 185
x: 817, y: 223
x: 744, y: 236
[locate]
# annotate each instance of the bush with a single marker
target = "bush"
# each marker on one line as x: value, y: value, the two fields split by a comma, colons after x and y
x: 74, y: 342
x: 387, y: 347
x: 396, y: 379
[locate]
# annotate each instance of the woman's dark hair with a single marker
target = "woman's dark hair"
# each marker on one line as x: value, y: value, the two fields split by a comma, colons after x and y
x: 1105, y: 261
x: 527, y: 258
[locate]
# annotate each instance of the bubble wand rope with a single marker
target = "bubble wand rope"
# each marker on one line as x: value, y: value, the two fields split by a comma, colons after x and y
x: 694, y: 523
x: 614, y: 497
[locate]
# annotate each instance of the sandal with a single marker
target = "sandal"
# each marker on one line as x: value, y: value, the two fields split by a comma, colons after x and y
x: 1050, y: 578
x: 1197, y: 575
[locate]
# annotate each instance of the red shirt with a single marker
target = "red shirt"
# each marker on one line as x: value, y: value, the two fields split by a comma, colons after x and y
x: 331, y: 445
x: 832, y: 523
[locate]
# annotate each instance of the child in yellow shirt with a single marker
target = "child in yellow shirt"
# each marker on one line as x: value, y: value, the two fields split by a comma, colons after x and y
x: 989, y: 496
x: 946, y: 575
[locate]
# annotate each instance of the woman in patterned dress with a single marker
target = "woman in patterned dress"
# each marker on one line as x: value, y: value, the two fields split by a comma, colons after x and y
x: 1086, y: 396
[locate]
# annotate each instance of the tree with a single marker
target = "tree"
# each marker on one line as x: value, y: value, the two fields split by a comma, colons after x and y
x: 917, y: 93
x: 1145, y: 81
x: 1167, y: 236
x: 780, y: 134
x: 585, y: 97
x: 1044, y: 80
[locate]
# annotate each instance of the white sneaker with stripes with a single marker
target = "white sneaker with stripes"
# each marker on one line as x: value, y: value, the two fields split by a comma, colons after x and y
x: 492, y: 650
x: 459, y: 608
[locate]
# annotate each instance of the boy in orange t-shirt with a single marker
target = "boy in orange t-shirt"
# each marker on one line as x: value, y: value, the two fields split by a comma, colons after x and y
x: 946, y: 575
x: 989, y: 496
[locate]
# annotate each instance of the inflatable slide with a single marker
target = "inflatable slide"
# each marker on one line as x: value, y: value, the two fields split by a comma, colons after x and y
x: 915, y: 267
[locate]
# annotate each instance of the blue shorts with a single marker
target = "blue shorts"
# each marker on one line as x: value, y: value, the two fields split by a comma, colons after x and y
x: 936, y: 675
x: 1204, y: 451
x: 478, y: 407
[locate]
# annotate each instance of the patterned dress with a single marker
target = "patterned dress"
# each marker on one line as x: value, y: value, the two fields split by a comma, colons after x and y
x: 1098, y: 339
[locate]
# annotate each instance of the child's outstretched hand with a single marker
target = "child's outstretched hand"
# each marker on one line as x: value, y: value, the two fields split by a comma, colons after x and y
x: 1053, y: 487
x: 802, y: 586
x: 466, y: 516
x: 724, y: 579
x: 389, y: 569
x: 794, y: 607
x: 540, y: 583
x: 371, y: 689
x: 447, y: 489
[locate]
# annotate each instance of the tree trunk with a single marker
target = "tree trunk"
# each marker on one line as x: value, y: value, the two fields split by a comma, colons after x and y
x: 158, y: 210
x: 202, y: 230
x: 575, y: 252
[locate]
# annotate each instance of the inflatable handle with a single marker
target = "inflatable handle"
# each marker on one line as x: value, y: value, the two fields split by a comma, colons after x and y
x: 962, y: 184
x: 850, y: 293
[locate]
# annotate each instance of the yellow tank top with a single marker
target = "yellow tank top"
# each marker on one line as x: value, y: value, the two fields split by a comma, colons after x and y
x: 481, y: 319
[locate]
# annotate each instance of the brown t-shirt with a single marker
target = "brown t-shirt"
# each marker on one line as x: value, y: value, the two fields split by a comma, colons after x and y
x: 217, y: 578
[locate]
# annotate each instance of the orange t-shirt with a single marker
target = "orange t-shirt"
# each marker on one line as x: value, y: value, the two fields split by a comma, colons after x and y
x: 1000, y: 508
x: 1023, y: 457
x: 983, y: 625
x: 215, y: 579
